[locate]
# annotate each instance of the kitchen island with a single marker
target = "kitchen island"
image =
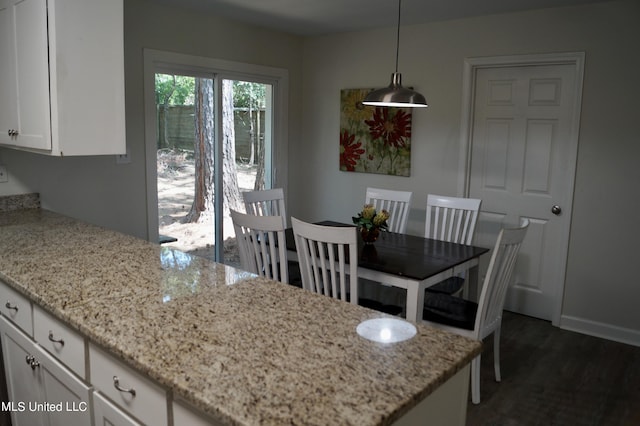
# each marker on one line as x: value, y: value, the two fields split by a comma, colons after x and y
x: 232, y: 347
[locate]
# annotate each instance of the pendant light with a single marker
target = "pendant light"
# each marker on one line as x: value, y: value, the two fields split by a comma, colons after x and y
x: 395, y: 95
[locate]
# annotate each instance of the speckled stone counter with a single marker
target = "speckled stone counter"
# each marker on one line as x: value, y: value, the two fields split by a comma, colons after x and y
x: 19, y: 202
x: 243, y: 349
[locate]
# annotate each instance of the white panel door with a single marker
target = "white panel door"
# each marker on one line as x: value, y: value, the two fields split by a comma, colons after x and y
x: 521, y: 154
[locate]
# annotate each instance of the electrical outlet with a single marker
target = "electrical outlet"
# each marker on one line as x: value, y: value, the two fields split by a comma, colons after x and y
x: 123, y: 158
x: 4, y: 175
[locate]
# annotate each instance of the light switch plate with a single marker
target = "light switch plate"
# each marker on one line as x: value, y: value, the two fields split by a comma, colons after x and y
x: 4, y: 175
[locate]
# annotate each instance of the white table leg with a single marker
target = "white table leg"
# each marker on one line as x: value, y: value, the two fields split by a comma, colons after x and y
x: 415, y: 302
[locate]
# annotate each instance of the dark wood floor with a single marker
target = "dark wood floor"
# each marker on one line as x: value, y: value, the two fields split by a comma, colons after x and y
x: 556, y: 377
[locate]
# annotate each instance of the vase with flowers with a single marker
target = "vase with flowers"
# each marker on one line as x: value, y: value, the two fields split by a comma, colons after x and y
x: 370, y: 222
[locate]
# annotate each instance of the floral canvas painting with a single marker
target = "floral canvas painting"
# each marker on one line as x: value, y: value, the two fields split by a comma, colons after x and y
x: 373, y: 140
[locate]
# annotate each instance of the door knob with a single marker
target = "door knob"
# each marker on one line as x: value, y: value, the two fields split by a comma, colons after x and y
x: 556, y: 210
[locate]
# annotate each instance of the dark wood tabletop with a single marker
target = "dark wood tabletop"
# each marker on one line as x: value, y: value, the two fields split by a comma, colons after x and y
x: 405, y: 255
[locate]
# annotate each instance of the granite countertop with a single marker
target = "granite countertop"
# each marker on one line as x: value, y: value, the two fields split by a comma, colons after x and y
x: 244, y: 349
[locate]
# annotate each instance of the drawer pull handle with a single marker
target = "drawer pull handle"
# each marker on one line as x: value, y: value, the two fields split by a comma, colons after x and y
x: 52, y: 339
x: 116, y: 384
x: 9, y: 306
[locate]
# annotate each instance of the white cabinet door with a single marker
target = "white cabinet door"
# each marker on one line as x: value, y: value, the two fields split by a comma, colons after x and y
x: 69, y: 394
x: 23, y: 381
x: 49, y: 393
x: 8, y: 92
x: 87, y: 77
x: 27, y: 67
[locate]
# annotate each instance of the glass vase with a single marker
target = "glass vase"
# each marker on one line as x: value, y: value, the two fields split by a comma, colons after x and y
x: 369, y: 236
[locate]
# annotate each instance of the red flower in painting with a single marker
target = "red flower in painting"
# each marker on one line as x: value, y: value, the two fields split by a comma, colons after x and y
x: 350, y: 152
x: 392, y: 128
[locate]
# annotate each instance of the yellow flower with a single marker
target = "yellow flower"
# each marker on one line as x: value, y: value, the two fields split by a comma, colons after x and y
x: 368, y: 211
x: 381, y: 218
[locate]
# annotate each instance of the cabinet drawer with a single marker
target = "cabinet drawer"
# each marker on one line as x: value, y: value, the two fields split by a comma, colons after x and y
x: 107, y: 413
x: 185, y: 414
x: 59, y: 340
x: 16, y: 307
x: 138, y: 395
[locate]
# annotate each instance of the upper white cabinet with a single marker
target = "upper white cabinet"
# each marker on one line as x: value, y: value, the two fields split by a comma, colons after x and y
x: 62, y: 76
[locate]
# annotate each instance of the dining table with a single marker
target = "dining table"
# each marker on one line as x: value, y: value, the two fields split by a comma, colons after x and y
x: 412, y: 263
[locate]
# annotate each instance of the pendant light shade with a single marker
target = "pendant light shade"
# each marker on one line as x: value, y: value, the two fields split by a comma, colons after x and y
x: 395, y: 95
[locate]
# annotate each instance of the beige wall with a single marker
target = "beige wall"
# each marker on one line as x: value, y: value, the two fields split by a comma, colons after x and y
x: 602, y: 290
x: 97, y: 190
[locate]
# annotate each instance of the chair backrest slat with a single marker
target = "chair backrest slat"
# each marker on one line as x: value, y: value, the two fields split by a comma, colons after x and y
x: 451, y: 219
x: 268, y: 202
x: 261, y: 245
x: 323, y: 253
x: 397, y: 203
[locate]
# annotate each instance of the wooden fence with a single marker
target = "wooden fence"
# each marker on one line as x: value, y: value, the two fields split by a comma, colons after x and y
x: 179, y: 130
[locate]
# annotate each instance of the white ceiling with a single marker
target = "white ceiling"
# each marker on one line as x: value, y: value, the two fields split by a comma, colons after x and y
x: 317, y: 17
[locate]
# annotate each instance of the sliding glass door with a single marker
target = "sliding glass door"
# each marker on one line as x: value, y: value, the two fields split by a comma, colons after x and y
x: 214, y: 140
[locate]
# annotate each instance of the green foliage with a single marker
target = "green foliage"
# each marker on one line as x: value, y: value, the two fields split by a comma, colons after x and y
x: 248, y: 95
x: 175, y: 89
x: 180, y: 90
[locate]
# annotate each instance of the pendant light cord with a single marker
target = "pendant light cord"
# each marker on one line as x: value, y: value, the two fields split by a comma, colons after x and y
x: 398, y: 34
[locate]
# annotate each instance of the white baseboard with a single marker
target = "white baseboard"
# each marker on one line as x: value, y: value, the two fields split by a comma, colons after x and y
x: 599, y: 329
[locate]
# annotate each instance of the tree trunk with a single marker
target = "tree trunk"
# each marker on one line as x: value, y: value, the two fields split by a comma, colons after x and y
x: 252, y: 144
x: 164, y: 142
x: 202, y: 208
x: 231, y: 191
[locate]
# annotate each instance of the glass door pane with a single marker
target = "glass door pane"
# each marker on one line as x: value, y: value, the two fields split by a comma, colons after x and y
x: 185, y: 212
x: 248, y: 158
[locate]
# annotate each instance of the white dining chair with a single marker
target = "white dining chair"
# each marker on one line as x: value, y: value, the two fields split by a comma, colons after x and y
x: 397, y: 203
x: 479, y: 320
x: 327, y: 255
x: 451, y: 219
x: 267, y: 202
x: 262, y: 245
